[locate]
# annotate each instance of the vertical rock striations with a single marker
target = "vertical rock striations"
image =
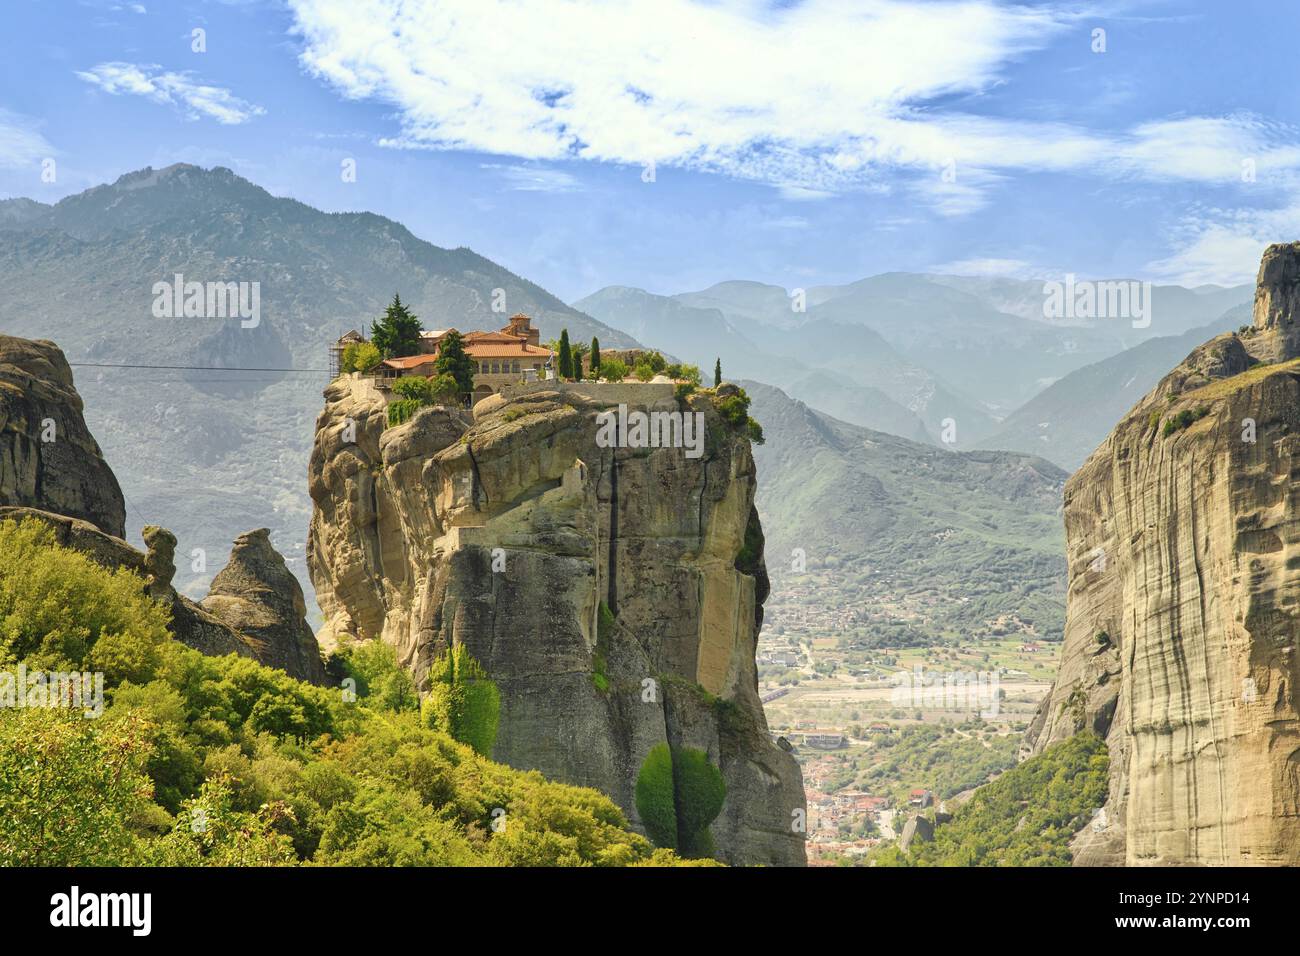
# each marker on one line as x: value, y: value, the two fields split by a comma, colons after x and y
x: 1183, y: 616
x: 611, y: 594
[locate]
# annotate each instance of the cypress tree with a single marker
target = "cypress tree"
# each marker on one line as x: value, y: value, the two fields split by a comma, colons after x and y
x: 453, y: 361
x: 717, y: 373
x: 595, y: 357
x: 566, y: 356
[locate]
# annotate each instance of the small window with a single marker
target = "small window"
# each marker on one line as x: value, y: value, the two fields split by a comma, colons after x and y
x: 514, y: 368
x: 496, y: 368
x: 483, y: 367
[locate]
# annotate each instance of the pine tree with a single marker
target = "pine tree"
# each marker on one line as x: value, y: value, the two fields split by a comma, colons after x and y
x: 453, y: 361
x: 717, y: 373
x: 397, y: 333
x: 594, y: 366
x: 566, y: 356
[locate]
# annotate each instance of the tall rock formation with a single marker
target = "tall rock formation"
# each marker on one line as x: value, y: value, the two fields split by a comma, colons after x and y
x: 257, y: 595
x: 1183, y: 616
x: 613, y: 595
x: 48, y: 458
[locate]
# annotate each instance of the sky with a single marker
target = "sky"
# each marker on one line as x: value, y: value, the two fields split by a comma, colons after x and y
x: 672, y: 144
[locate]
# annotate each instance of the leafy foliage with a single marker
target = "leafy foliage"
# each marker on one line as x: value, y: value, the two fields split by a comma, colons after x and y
x: 565, y: 359
x: 613, y: 370
x: 1026, y: 817
x: 222, y: 761
x: 360, y: 357
x: 397, y: 332
x: 454, y: 361
x: 463, y: 702
x: 678, y: 794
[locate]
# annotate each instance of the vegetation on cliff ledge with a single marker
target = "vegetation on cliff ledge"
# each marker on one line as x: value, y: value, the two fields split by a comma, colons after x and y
x: 221, y: 761
x: 678, y: 794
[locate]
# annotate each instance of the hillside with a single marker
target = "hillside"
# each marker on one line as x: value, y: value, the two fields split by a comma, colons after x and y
x: 204, y: 452
x: 1071, y: 417
x: 916, y: 544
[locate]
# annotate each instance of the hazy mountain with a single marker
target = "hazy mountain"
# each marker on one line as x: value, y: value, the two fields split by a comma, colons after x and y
x: 984, y: 338
x: 210, y: 453
x: 1068, y: 420
x: 913, y: 538
x: 848, y: 370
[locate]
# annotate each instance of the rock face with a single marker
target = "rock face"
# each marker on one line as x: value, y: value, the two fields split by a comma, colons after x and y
x: 1183, y: 533
x: 258, y: 596
x: 612, y: 594
x: 48, y: 458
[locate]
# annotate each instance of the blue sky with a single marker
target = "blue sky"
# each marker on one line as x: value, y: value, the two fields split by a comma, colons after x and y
x: 800, y: 142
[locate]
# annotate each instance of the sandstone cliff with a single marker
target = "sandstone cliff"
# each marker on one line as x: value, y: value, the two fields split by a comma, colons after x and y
x: 1183, y: 533
x: 612, y: 595
x: 48, y: 458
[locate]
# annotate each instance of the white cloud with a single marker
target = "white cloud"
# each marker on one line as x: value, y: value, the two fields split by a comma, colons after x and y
x: 538, y: 179
x: 178, y: 89
x: 1223, y: 246
x: 20, y: 145
x: 813, y: 98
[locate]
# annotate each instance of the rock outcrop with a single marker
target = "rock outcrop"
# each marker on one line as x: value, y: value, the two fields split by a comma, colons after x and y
x: 51, y: 470
x: 258, y: 596
x: 613, y: 595
x: 48, y: 458
x: 190, y: 623
x: 1183, y: 532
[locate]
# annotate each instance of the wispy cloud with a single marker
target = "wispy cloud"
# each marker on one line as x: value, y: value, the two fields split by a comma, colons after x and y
x: 540, y: 179
x: 988, y: 267
x: 177, y: 89
x: 20, y: 144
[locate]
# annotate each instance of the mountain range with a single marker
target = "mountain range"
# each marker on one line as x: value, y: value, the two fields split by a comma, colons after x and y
x: 200, y: 448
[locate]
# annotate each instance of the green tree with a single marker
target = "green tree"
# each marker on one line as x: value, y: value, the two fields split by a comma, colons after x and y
x: 69, y: 788
x: 717, y: 372
x: 452, y: 360
x: 613, y: 370
x: 594, y: 365
x: 360, y: 357
x: 397, y: 332
x: 463, y: 701
x: 566, y: 357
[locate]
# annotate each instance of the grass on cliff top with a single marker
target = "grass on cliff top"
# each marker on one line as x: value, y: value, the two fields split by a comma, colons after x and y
x: 1230, y: 386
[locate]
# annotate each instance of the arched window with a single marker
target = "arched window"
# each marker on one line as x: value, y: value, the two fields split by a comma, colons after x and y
x: 514, y: 367
x: 496, y: 367
x: 483, y: 367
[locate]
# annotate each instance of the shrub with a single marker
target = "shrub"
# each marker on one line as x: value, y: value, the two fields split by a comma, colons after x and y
x: 1184, y: 419
x: 613, y: 370
x: 400, y: 411
x: 360, y: 357
x: 678, y: 794
x: 643, y: 372
x: 61, y: 611
x: 463, y: 702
